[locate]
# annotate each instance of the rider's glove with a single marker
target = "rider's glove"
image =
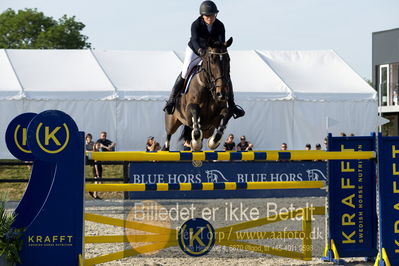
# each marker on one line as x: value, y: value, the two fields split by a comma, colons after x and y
x: 201, y: 52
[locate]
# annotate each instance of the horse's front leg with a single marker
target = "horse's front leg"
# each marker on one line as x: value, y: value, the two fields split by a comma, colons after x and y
x: 196, y: 133
x: 214, y: 141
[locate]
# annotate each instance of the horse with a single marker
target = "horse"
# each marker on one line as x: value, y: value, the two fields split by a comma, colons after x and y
x: 203, y: 109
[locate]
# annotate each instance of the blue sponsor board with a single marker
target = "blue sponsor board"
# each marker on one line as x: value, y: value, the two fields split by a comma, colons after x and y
x: 51, y: 210
x: 352, y: 208
x: 388, y: 164
x: 215, y: 172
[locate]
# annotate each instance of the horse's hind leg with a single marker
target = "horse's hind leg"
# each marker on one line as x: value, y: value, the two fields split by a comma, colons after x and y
x: 196, y: 133
x: 171, y: 125
x: 166, y: 146
x: 214, y: 141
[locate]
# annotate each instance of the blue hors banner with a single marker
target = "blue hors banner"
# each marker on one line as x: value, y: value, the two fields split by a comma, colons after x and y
x: 216, y: 172
x: 388, y: 164
x: 352, y: 208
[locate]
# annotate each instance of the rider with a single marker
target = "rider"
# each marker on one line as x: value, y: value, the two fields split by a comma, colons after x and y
x: 205, y: 27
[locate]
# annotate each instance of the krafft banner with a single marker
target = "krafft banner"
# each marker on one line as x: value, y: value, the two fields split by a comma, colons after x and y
x: 388, y: 166
x: 352, y: 208
x: 51, y: 210
x: 216, y: 172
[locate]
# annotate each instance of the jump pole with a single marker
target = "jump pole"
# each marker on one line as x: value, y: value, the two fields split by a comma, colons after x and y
x: 246, y: 156
x: 206, y: 186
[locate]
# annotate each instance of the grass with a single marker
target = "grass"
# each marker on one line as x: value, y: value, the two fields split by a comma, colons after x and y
x: 16, y: 190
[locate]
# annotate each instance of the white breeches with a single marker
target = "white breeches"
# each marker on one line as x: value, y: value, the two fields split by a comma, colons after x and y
x: 190, y: 60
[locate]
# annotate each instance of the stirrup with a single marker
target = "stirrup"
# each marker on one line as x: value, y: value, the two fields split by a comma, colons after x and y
x: 238, y: 112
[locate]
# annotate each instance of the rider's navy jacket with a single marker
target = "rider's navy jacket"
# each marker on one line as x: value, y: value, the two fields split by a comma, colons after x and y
x: 200, y: 34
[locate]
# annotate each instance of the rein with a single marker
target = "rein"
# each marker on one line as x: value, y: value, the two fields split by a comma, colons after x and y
x: 210, y: 79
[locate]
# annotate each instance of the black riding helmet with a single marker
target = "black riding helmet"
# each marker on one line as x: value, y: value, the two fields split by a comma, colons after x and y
x: 208, y: 8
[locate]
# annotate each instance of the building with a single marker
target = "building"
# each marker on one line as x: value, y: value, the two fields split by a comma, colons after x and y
x: 385, y: 75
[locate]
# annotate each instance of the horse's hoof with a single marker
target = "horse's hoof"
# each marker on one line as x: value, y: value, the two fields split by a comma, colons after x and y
x: 212, y: 144
x: 196, y: 145
x: 164, y: 148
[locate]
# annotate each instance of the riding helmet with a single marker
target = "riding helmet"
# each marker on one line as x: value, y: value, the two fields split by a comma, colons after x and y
x: 208, y: 8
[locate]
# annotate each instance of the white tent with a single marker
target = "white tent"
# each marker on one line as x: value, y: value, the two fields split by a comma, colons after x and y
x: 288, y: 95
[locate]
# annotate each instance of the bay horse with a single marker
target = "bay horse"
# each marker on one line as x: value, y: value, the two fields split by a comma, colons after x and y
x: 203, y: 110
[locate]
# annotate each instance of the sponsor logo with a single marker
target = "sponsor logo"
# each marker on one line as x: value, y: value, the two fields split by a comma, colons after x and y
x: 215, y: 176
x: 315, y: 175
x: 196, y: 237
x: 52, y: 143
x: 49, y: 240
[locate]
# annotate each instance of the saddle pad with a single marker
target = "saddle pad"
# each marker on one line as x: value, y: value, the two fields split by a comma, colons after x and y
x: 190, y: 77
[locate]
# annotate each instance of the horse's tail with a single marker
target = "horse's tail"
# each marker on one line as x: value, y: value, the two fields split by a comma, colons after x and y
x: 186, y: 133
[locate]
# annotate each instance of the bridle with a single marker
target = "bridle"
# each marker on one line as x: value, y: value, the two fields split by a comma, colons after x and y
x: 210, y: 78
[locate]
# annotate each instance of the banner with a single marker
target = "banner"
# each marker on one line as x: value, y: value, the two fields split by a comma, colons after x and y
x: 189, y: 172
x: 352, y: 205
x: 388, y: 166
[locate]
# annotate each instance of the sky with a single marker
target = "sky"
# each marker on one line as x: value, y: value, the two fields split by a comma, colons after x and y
x: 345, y: 26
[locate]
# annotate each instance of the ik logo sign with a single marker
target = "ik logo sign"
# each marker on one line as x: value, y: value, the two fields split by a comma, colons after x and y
x: 196, y: 237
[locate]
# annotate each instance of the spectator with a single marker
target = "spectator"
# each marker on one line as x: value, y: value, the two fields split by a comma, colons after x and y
x: 308, y: 147
x: 342, y: 134
x: 326, y: 143
x: 283, y: 146
x: 105, y: 144
x: 229, y: 145
x: 244, y: 145
x: 187, y: 146
x: 89, y: 142
x: 318, y: 148
x: 157, y: 146
x: 351, y: 135
x: 152, y: 145
x: 90, y: 147
x: 97, y: 172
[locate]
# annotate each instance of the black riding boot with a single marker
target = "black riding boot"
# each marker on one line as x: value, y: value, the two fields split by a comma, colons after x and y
x: 237, y: 111
x: 177, y: 88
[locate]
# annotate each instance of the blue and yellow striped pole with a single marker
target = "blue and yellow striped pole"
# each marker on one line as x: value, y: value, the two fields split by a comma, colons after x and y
x: 227, y: 156
x: 206, y: 186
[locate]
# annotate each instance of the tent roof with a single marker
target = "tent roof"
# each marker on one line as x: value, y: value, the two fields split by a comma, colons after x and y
x: 9, y: 84
x: 149, y: 75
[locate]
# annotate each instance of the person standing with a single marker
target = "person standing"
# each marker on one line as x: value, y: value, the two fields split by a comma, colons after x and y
x: 89, y: 142
x: 97, y: 172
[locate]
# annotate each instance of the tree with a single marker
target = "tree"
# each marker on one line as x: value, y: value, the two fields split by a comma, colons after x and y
x: 31, y: 29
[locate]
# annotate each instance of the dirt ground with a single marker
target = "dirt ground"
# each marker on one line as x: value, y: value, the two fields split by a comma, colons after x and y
x: 219, y: 213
